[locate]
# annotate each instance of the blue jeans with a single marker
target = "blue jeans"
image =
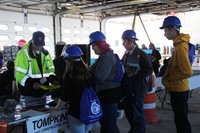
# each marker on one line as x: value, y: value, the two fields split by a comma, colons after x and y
x: 180, y: 108
x: 109, y: 120
x: 135, y: 114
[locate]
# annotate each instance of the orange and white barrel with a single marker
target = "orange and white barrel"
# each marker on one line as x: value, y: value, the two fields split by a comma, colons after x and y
x: 3, y: 127
x: 150, y: 105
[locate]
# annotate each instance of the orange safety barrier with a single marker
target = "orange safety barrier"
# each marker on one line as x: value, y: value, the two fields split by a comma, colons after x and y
x: 150, y: 105
x: 3, y: 127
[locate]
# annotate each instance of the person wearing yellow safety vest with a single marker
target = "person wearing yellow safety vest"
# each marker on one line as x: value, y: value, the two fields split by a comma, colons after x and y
x: 34, y: 67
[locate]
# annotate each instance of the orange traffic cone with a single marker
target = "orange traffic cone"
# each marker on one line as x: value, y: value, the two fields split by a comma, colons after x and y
x: 150, y: 105
x: 3, y: 127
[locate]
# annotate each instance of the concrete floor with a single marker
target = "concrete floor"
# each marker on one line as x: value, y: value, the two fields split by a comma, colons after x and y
x: 166, y: 123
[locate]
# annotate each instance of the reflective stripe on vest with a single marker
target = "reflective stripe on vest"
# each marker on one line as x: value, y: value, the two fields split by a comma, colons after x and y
x: 52, y: 74
x: 29, y: 63
x: 21, y: 70
x: 29, y: 71
x: 24, y: 80
x: 51, y: 67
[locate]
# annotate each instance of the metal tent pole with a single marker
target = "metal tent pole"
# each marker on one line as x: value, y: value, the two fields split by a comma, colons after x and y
x: 144, y: 28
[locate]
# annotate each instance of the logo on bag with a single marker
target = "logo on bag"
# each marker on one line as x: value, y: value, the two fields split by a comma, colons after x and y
x: 90, y: 106
x: 95, y: 108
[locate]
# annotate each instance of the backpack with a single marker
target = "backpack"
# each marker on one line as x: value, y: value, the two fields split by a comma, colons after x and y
x: 90, y: 107
x: 120, y: 70
x: 191, y: 53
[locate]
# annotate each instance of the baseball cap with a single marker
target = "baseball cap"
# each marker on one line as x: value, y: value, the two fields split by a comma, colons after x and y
x: 38, y: 38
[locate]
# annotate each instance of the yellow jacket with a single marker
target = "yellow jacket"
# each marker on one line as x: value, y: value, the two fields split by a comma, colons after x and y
x: 179, y: 68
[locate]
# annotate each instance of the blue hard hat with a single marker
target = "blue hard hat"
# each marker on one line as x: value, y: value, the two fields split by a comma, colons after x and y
x: 129, y: 34
x: 172, y: 21
x: 96, y: 36
x: 72, y: 51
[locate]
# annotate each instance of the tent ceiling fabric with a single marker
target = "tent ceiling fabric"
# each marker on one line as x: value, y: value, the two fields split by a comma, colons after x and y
x: 99, y: 8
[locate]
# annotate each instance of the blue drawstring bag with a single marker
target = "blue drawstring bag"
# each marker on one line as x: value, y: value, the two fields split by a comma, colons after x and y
x: 90, y: 107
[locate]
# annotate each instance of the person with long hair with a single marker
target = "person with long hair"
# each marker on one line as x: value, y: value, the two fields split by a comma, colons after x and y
x: 60, y: 67
x: 155, y: 58
x: 104, y: 71
x: 77, y: 76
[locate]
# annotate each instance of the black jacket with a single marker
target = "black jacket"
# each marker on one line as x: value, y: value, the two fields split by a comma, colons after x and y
x: 72, y: 93
x: 60, y: 66
x: 157, y: 56
x: 137, y: 84
x: 6, y: 79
